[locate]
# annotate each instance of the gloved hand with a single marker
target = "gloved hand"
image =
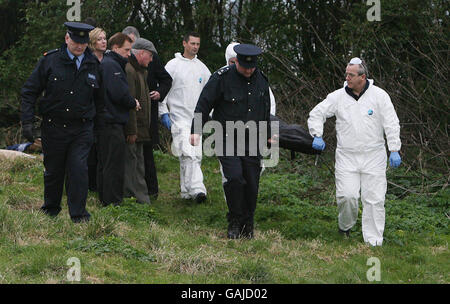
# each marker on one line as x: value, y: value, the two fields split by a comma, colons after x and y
x: 27, y: 131
x: 165, y: 120
x: 394, y: 159
x: 318, y: 144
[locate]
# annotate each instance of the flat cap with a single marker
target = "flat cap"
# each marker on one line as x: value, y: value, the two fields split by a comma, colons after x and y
x: 79, y: 32
x: 247, y: 54
x: 144, y: 44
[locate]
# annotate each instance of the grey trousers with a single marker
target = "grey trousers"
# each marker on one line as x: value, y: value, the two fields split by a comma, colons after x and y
x: 134, y: 184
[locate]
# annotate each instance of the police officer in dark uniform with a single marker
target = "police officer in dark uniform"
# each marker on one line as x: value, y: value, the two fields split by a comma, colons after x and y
x: 238, y: 92
x: 70, y: 79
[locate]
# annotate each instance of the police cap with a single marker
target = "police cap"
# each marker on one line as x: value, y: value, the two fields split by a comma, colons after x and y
x: 247, y: 55
x: 79, y: 32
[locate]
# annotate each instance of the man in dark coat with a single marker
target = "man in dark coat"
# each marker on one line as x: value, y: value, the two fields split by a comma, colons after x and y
x: 71, y: 79
x: 238, y: 93
x: 138, y: 126
x: 112, y: 119
x: 159, y: 83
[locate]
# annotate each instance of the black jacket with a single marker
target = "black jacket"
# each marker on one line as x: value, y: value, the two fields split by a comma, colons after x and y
x: 235, y: 98
x: 158, y: 80
x: 70, y: 94
x: 117, y: 98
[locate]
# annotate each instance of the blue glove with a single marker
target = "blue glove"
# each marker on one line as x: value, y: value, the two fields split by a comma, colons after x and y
x: 395, y: 160
x: 165, y: 120
x: 318, y: 144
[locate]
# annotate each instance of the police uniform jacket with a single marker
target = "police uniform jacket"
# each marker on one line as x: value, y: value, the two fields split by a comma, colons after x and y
x: 235, y: 98
x: 69, y: 94
x: 117, y: 98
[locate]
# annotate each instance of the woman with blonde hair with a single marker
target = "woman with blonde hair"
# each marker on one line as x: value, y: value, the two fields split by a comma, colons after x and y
x: 97, y: 42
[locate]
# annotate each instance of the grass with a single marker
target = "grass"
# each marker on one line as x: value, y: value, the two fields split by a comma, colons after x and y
x: 177, y: 241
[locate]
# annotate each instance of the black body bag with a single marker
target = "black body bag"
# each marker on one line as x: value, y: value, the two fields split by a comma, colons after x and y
x: 294, y: 137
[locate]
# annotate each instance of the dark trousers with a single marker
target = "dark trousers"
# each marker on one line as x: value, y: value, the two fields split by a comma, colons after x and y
x: 92, y: 168
x: 150, y: 170
x: 111, y: 163
x: 241, y: 186
x: 66, y: 147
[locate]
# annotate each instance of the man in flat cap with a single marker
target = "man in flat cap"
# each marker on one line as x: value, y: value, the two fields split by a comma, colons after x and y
x: 137, y: 129
x: 159, y: 83
x: 70, y: 78
x: 364, y: 113
x: 238, y: 93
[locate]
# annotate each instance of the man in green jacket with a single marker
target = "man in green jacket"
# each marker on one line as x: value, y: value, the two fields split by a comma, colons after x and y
x: 137, y: 129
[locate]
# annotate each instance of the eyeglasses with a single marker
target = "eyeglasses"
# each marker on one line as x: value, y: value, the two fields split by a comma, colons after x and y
x: 350, y: 75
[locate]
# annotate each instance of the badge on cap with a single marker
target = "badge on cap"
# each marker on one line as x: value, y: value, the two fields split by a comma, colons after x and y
x: 79, y: 32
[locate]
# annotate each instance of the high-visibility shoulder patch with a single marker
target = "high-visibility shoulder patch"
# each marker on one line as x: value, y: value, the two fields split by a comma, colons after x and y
x: 51, y: 52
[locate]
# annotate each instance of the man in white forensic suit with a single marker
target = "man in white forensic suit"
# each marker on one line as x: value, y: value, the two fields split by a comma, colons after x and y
x: 189, y: 76
x: 364, y: 113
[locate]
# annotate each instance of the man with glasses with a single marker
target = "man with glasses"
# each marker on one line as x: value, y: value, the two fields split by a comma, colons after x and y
x: 137, y: 129
x: 159, y: 83
x: 364, y: 113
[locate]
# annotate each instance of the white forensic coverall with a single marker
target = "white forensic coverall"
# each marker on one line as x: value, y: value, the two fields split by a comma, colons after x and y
x: 189, y: 78
x: 360, y: 154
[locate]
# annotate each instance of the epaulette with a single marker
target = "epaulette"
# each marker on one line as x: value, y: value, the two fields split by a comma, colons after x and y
x: 51, y: 52
x: 223, y: 70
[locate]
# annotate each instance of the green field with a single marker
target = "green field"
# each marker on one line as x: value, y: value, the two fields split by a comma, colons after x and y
x: 177, y: 241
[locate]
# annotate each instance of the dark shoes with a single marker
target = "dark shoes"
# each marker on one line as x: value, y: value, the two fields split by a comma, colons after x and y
x: 234, y: 230
x: 200, y: 198
x: 346, y: 233
x: 247, y: 230
x: 237, y: 231
x: 108, y: 204
x: 82, y: 219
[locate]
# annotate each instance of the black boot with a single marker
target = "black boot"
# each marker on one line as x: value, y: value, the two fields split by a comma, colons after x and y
x: 346, y: 233
x: 200, y: 198
x: 234, y: 230
x: 247, y: 230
